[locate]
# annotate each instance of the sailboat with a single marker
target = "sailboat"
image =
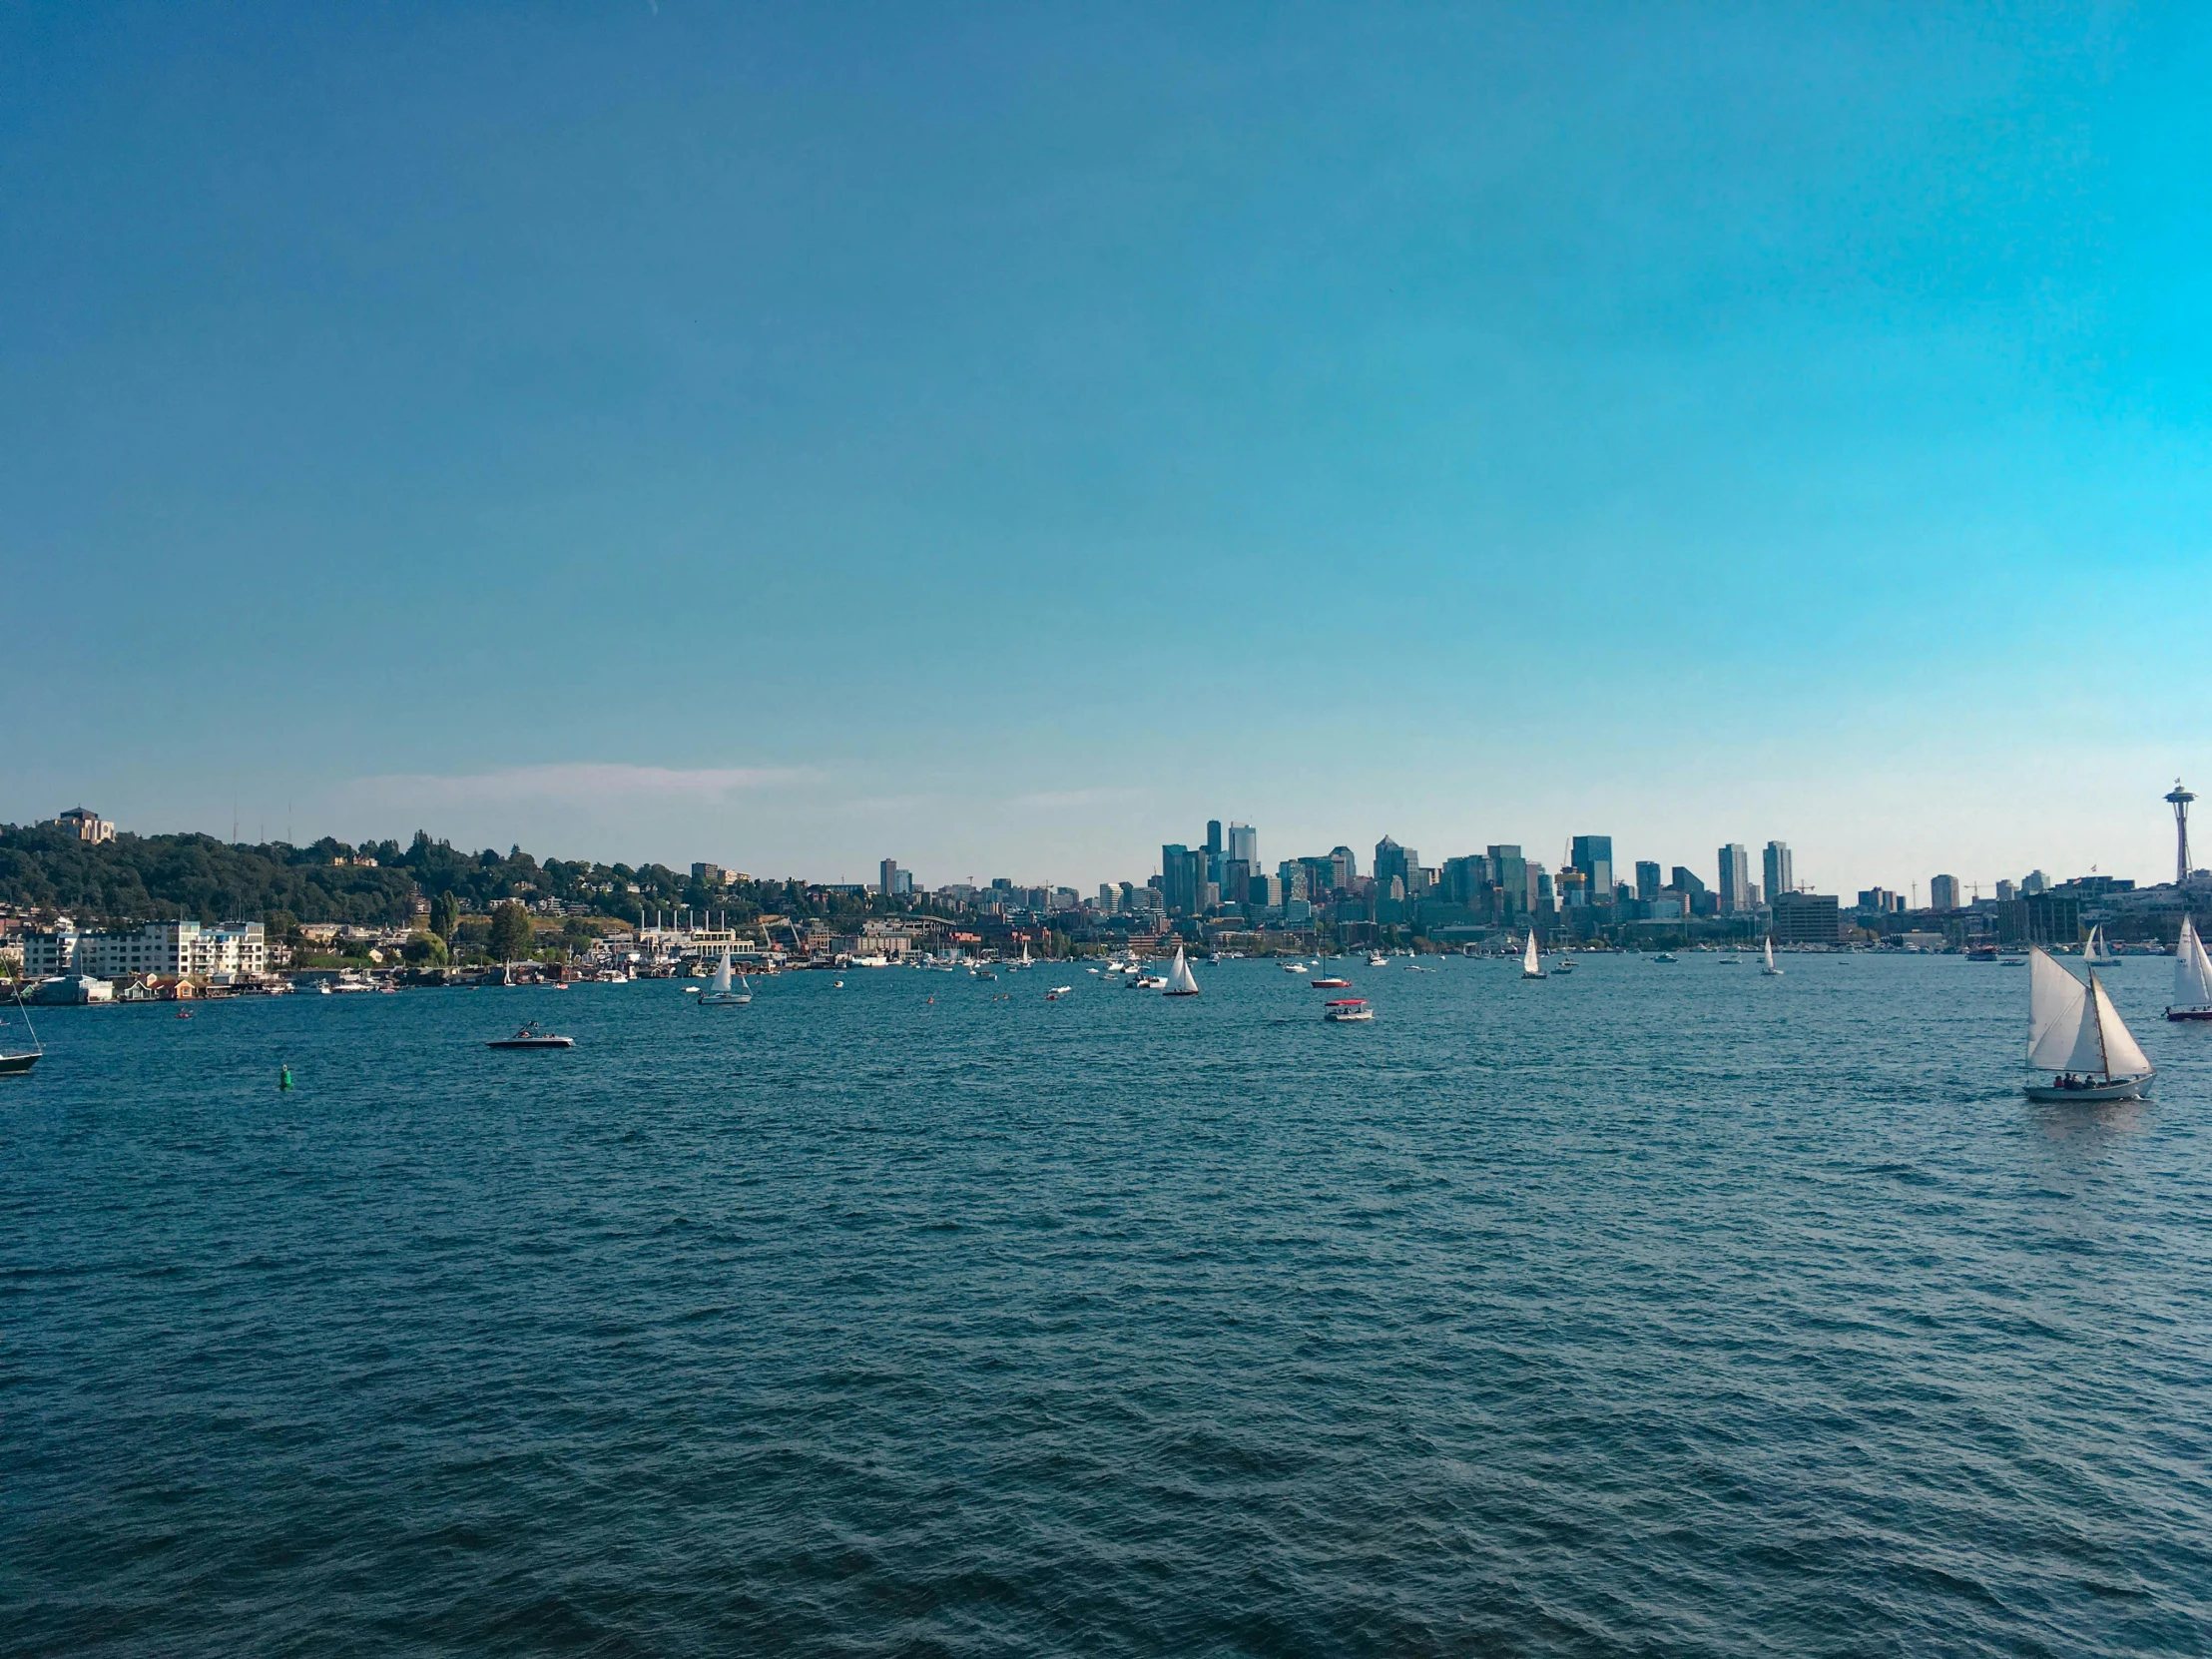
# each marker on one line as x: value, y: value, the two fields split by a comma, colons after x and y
x: 1531, y: 967
x: 719, y: 994
x: 2074, y: 1031
x: 15, y: 1065
x: 2192, y: 976
x: 2096, y: 953
x: 1767, y: 965
x: 1180, y: 979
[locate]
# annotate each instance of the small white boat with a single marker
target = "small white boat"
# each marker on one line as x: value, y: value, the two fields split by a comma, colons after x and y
x: 1377, y: 959
x: 1768, y: 967
x: 1181, y: 981
x: 2096, y: 953
x: 719, y: 994
x: 531, y: 1037
x: 1531, y: 967
x: 1347, y: 1010
x: 1057, y: 991
x: 1294, y: 967
x: 2192, y: 976
x: 2074, y: 1031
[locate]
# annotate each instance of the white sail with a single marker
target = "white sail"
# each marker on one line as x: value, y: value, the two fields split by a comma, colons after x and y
x: 2122, y: 1056
x: 1528, y: 961
x: 1181, y: 981
x: 1770, y: 952
x: 2192, y: 969
x: 722, y: 976
x: 2061, y: 1020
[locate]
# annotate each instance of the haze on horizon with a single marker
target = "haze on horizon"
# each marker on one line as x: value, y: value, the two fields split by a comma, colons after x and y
x: 1004, y: 438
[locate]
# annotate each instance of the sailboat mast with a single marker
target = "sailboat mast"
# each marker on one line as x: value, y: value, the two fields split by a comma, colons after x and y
x: 2097, y: 1006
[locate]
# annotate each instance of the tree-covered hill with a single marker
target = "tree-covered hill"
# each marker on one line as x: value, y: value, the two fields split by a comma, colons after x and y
x: 163, y: 878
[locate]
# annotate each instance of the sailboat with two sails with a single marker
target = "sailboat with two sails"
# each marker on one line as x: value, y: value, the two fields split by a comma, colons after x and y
x: 1181, y: 981
x: 2192, y: 976
x: 2074, y: 1032
x: 720, y: 995
x: 2096, y: 953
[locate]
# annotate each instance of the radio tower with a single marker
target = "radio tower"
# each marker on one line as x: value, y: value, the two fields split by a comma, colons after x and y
x: 2179, y: 800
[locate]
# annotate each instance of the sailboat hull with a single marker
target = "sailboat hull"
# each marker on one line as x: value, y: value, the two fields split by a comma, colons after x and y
x: 2189, y: 1013
x: 2118, y: 1088
x: 15, y: 1065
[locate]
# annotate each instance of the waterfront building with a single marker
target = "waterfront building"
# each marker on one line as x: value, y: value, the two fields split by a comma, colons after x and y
x: 1647, y: 879
x: 2040, y: 919
x: 1775, y: 866
x: 1593, y: 857
x: 178, y: 949
x: 1734, y: 886
x: 1943, y: 893
x: 1805, y: 917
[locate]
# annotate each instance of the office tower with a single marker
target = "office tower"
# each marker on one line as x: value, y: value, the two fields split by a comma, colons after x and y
x: 892, y: 880
x: 1943, y: 893
x: 1776, y: 869
x: 1735, y: 882
x: 2179, y: 800
x: 1292, y: 873
x: 2006, y: 890
x: 1213, y: 838
x: 1647, y: 879
x: 1392, y: 860
x: 1244, y: 843
x: 1264, y: 891
x: 1541, y: 898
x: 1345, y: 867
x: 1236, y: 880
x: 1178, y: 879
x: 1510, y: 872
x: 1593, y: 857
x: 2034, y: 882
x: 1684, y: 882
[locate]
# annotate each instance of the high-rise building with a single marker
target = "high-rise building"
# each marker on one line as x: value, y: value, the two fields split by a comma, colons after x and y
x: 1684, y: 882
x: 2034, y: 882
x: 1213, y: 838
x: 1734, y: 888
x: 1647, y: 879
x: 1344, y: 867
x: 894, y: 881
x: 1183, y: 879
x: 1593, y: 857
x: 2006, y: 892
x: 1775, y: 867
x: 1109, y: 900
x: 1943, y: 893
x: 1236, y: 880
x: 1393, y: 861
x: 1510, y: 872
x: 1244, y: 843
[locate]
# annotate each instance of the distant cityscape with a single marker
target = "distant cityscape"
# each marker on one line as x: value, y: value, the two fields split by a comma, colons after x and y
x: 426, y: 911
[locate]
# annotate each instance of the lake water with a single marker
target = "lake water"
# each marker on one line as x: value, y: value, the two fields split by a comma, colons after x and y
x: 1662, y: 1310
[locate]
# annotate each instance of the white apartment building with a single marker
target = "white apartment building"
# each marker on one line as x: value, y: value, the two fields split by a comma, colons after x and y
x: 180, y: 949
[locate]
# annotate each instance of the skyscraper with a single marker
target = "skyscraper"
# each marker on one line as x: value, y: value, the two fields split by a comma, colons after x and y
x: 1775, y: 867
x: 1511, y: 872
x: 1943, y: 893
x: 892, y: 881
x: 1182, y: 874
x: 1392, y: 859
x: 1647, y: 879
x: 1213, y: 838
x: 1734, y: 884
x: 1244, y: 843
x: 1593, y: 857
x: 1345, y: 866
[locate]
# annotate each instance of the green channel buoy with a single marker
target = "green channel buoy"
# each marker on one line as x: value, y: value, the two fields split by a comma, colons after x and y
x: 284, y: 1078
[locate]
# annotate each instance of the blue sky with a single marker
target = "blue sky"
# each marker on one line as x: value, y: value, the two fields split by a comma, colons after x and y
x: 1003, y: 440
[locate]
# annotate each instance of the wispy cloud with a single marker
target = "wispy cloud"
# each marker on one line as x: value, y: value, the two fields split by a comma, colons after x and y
x: 576, y: 781
x: 1065, y: 799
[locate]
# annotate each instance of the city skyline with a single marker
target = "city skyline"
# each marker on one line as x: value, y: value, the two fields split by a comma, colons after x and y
x: 773, y: 439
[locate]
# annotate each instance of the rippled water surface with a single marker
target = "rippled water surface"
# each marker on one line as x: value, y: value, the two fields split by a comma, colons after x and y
x: 1660, y: 1309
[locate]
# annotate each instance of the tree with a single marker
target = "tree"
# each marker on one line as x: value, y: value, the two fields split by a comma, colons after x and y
x: 425, y: 950
x: 512, y: 933
x: 445, y: 915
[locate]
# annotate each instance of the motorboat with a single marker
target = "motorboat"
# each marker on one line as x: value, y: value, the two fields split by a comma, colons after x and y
x: 2074, y: 1032
x: 1377, y: 959
x: 1294, y: 967
x: 2192, y: 976
x: 1666, y: 956
x: 1057, y: 991
x: 531, y: 1037
x: 1347, y: 1010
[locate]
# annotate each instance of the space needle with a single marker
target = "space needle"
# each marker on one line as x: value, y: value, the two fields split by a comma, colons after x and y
x: 2179, y: 800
